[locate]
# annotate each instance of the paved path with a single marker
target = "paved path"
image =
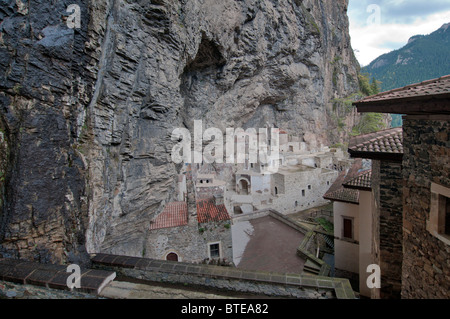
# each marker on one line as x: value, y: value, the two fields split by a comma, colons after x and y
x: 128, y: 290
x: 272, y: 247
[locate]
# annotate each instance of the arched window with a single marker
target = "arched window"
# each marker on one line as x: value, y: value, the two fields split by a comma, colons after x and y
x: 172, y: 257
x: 276, y: 190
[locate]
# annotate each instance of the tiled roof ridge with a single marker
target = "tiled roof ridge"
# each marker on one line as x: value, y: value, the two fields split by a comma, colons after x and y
x: 342, y: 194
x: 383, y: 136
x: 380, y: 134
x: 362, y: 180
x: 404, y: 88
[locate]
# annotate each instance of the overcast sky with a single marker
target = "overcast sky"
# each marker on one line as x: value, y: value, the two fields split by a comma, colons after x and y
x: 380, y: 26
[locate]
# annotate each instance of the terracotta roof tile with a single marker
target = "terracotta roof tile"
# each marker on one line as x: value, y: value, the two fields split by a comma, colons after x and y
x: 424, y: 89
x: 387, y: 141
x: 344, y: 195
x: 363, y: 181
x: 337, y: 192
x: 174, y: 214
x: 428, y: 98
x: 208, y: 211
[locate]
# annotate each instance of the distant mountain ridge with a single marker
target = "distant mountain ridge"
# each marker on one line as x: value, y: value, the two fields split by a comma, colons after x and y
x: 424, y: 57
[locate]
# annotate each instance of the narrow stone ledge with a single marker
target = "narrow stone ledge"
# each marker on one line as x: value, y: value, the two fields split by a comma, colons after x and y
x: 55, y: 276
x: 275, y: 284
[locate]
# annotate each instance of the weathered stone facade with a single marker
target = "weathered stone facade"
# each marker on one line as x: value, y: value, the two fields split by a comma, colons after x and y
x: 190, y: 242
x: 301, y: 187
x: 387, y: 226
x: 426, y: 262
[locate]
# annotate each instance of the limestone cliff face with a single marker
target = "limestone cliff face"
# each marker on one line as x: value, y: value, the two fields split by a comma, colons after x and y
x: 87, y: 113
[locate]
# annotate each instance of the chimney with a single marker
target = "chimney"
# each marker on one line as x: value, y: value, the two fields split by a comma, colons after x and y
x: 218, y: 200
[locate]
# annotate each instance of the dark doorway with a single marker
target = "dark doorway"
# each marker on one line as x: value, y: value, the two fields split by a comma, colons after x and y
x: 244, y: 189
x: 172, y: 257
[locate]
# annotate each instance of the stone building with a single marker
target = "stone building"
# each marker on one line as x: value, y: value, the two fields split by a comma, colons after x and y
x: 301, y: 187
x: 412, y: 192
x: 384, y: 149
x: 299, y: 182
x: 352, y: 217
x: 201, y: 236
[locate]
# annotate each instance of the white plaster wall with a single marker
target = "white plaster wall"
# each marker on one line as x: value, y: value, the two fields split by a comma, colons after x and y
x: 346, y: 254
x: 261, y: 183
x: 295, y: 183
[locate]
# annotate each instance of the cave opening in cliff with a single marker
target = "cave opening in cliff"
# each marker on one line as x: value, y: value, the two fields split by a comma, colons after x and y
x: 199, y: 86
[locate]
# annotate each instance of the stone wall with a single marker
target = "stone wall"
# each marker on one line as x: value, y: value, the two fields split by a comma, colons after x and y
x: 302, y: 189
x: 190, y: 242
x: 426, y: 262
x: 387, y: 226
x: 227, y: 278
x: 375, y: 293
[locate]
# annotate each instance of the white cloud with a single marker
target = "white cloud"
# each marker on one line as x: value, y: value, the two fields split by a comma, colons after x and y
x: 371, y: 41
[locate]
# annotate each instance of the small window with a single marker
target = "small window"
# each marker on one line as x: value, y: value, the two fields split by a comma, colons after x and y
x: 303, y: 193
x: 276, y: 190
x: 296, y: 203
x: 438, y: 223
x: 309, y: 186
x: 447, y: 215
x: 347, y: 231
x: 328, y: 182
x: 214, y: 250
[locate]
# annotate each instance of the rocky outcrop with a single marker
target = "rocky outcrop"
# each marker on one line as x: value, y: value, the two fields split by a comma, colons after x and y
x: 88, y: 113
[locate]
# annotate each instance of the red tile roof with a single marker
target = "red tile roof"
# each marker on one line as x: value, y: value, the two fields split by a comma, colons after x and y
x: 427, y: 88
x: 174, y: 214
x: 208, y: 211
x: 337, y: 192
x: 428, y: 97
x: 371, y: 145
x: 346, y: 195
x: 362, y: 182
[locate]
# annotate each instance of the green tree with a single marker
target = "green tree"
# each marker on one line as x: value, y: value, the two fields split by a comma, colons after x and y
x: 370, y: 122
x: 375, y: 86
x: 364, y: 84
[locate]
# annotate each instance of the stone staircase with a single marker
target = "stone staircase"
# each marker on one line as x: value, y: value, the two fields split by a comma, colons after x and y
x: 311, y: 268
